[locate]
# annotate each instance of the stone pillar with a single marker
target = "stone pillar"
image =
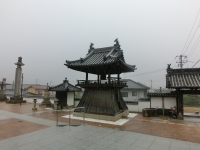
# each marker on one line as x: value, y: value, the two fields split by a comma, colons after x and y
x: 16, y: 98
x: 2, y: 92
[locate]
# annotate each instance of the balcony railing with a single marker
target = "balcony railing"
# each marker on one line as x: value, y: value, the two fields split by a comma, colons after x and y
x: 101, y: 83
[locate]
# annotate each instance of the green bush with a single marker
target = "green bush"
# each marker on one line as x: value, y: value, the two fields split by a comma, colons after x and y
x: 191, y: 100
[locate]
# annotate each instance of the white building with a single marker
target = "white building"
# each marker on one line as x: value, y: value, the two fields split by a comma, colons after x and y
x: 134, y: 92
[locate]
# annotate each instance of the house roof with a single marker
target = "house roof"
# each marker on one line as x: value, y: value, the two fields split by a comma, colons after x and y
x: 134, y: 85
x: 25, y: 86
x: 65, y: 86
x: 107, y: 59
x: 38, y: 87
x: 183, y: 78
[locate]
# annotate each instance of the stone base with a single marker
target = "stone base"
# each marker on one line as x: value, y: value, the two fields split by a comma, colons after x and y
x: 3, y: 97
x: 102, y: 117
x: 15, y: 100
x: 34, y: 108
x: 180, y: 116
x: 46, y: 103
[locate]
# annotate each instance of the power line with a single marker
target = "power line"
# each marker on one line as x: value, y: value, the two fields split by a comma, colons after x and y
x: 194, y: 45
x: 190, y: 31
x: 149, y: 72
x: 192, y: 38
x: 193, y: 50
x: 195, y: 63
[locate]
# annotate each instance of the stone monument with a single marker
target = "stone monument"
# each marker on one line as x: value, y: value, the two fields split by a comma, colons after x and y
x: 34, y: 104
x: 46, y: 100
x: 3, y: 91
x: 18, y: 73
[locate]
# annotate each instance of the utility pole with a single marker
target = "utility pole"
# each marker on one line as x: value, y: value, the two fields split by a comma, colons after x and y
x: 36, y: 81
x: 181, y: 60
x: 151, y: 85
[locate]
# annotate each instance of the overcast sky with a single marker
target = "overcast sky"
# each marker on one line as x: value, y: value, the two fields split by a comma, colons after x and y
x: 46, y: 33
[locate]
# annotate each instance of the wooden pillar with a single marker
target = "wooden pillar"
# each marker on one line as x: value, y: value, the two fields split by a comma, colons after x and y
x: 118, y: 78
x: 180, y: 105
x: 163, y: 106
x: 86, y: 78
x: 109, y: 78
x: 98, y: 79
x: 150, y: 102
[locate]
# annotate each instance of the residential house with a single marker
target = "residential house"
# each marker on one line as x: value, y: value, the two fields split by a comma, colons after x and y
x: 10, y: 89
x: 135, y: 95
x: 134, y: 92
x: 37, y: 89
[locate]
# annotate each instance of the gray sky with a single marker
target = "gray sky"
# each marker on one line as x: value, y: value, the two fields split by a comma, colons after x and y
x: 45, y: 33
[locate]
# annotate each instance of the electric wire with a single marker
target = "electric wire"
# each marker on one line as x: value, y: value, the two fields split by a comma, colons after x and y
x: 191, y: 39
x: 190, y: 31
x: 193, y: 46
x: 153, y: 71
x: 196, y: 63
x: 193, y: 50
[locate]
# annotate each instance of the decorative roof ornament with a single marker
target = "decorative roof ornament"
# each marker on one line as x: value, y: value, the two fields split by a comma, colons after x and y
x: 91, y: 47
x: 117, y: 42
x: 66, y: 84
x: 168, y: 68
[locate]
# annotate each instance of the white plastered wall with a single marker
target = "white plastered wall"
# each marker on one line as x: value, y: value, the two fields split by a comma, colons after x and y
x: 156, y: 102
x: 70, y: 98
x: 133, y: 108
x: 142, y: 105
x: 169, y: 102
x: 139, y: 107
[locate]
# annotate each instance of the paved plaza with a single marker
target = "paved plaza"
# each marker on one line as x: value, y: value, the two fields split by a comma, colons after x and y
x: 24, y: 129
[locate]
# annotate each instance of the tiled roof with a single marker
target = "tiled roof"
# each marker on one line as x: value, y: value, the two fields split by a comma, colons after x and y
x: 134, y: 85
x: 101, y: 57
x: 65, y: 86
x: 161, y: 94
x: 183, y: 78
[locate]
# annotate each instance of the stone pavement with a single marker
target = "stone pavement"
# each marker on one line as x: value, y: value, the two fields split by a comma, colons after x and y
x: 35, y: 132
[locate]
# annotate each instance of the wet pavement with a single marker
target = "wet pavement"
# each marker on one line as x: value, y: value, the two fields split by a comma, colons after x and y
x: 22, y: 128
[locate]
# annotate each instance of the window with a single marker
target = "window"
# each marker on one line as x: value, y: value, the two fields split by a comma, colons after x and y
x: 39, y: 92
x: 145, y: 93
x: 124, y: 94
x: 134, y: 93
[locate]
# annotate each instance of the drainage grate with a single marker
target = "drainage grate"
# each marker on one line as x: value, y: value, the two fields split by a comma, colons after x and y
x: 61, y: 125
x: 75, y: 125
